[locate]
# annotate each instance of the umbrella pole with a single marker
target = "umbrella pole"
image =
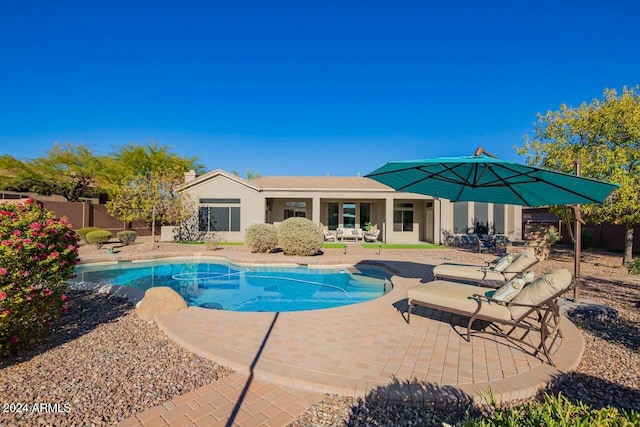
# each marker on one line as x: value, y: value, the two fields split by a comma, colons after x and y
x: 578, y: 241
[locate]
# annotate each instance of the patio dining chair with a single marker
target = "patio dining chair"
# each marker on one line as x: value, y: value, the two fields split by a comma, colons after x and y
x: 485, y: 244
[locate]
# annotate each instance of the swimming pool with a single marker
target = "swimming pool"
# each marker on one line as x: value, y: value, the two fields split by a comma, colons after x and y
x: 227, y: 286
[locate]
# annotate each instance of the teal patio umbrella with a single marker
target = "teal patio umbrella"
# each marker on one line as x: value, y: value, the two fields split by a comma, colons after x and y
x: 484, y: 178
x: 487, y: 179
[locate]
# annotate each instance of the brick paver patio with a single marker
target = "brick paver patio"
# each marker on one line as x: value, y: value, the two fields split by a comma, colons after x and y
x: 285, y: 361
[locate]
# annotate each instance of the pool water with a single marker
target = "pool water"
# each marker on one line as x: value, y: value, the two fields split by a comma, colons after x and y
x: 227, y: 286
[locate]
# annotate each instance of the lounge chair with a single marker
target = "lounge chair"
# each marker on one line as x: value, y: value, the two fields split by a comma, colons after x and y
x: 501, y: 272
x: 533, y: 309
x: 372, y: 235
x: 327, y: 234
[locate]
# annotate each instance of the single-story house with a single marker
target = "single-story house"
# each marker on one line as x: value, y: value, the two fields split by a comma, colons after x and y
x: 228, y: 204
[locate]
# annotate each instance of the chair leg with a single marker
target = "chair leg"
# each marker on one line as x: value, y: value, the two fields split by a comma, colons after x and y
x: 471, y: 319
x: 409, y: 313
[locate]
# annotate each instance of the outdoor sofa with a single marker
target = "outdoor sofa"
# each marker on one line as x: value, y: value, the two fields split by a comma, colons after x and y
x: 349, y: 233
x: 517, y: 306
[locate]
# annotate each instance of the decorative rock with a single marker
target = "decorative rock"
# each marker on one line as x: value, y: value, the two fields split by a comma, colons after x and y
x: 160, y: 300
x: 587, y: 309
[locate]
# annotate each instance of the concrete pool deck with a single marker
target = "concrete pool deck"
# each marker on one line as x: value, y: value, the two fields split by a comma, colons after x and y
x: 284, y: 362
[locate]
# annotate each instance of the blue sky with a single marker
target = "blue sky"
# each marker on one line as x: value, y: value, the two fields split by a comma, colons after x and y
x: 303, y: 88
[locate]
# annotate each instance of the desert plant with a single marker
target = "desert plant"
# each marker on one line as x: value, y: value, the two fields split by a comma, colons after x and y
x: 262, y: 238
x: 86, y: 230
x: 300, y: 236
x: 212, y: 241
x: 553, y: 410
x: 98, y: 237
x: 127, y: 237
x: 554, y: 236
x: 188, y: 229
x: 38, y: 253
x: 634, y: 266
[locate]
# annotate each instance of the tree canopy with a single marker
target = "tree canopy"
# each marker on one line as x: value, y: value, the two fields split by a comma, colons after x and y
x: 68, y: 170
x: 605, y: 136
x: 142, y: 183
x: 74, y: 171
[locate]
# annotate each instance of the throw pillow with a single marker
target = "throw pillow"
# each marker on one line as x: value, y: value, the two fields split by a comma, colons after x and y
x: 509, y: 290
x: 522, y: 262
x: 528, y: 277
x: 503, y: 263
x: 541, y: 289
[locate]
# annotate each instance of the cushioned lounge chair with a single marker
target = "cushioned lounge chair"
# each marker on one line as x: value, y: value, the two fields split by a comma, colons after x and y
x: 533, y: 309
x: 521, y: 263
x: 371, y: 236
x: 327, y: 234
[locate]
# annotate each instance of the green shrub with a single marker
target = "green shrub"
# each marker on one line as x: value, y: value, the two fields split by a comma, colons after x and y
x: 300, y: 236
x: 554, y: 235
x: 38, y: 252
x: 554, y: 411
x: 86, y: 230
x: 634, y: 266
x: 127, y: 237
x: 262, y: 238
x: 212, y: 241
x: 98, y: 237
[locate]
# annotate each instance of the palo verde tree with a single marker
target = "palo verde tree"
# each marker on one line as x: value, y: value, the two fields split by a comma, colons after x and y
x: 67, y: 170
x: 605, y: 136
x: 143, y: 181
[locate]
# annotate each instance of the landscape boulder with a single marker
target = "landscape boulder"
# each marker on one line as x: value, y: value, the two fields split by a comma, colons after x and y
x: 160, y: 300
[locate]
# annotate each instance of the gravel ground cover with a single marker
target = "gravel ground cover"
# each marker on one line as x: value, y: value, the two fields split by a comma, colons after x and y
x: 108, y: 365
x: 102, y: 366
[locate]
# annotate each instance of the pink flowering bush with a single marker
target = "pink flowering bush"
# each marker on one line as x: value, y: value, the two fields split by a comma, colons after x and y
x: 38, y: 252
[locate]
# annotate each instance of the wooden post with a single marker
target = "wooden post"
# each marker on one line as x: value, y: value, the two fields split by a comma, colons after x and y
x: 578, y: 241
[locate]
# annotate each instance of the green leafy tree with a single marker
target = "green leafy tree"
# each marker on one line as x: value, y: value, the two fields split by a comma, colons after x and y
x: 67, y: 170
x: 142, y: 184
x: 605, y: 136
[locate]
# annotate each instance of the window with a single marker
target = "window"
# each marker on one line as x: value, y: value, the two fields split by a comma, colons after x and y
x: 288, y: 213
x: 332, y: 216
x: 295, y: 209
x: 403, y: 217
x: 365, y: 214
x: 219, y: 218
x: 349, y: 215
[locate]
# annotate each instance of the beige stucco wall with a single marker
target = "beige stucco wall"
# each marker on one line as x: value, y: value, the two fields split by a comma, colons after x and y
x: 444, y: 217
x: 252, y: 202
